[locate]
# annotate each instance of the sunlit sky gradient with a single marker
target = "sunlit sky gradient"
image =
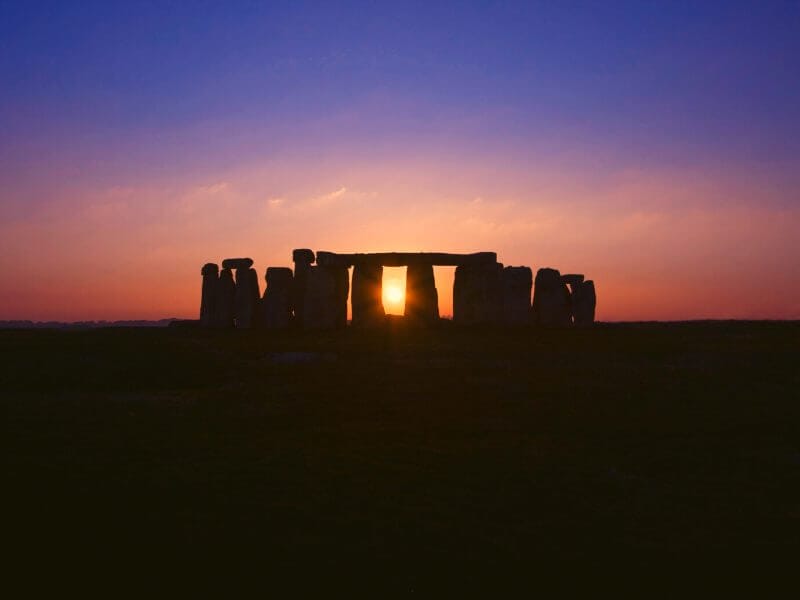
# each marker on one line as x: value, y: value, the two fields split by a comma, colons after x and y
x: 653, y: 146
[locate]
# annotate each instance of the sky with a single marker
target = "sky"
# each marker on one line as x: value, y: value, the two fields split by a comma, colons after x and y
x: 652, y: 146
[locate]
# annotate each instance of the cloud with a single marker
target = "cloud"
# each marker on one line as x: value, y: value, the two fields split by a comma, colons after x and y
x: 214, y: 188
x: 327, y: 199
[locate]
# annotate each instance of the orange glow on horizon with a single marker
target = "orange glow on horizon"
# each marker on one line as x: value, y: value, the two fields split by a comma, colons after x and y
x: 659, y: 246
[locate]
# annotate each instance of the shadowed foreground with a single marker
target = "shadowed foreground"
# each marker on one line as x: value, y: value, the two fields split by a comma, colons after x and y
x: 406, y: 452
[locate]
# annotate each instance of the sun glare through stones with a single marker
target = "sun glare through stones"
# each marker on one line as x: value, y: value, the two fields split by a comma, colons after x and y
x: 394, y: 290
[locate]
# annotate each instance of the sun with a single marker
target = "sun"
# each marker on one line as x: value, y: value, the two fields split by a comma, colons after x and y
x: 393, y: 294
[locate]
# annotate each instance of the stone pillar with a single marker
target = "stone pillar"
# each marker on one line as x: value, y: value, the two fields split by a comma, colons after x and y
x: 584, y: 301
x: 303, y: 259
x: 341, y: 276
x: 422, y: 299
x: 517, y: 283
x: 478, y: 294
x: 574, y: 281
x: 208, y: 298
x: 551, y: 299
x: 320, y: 309
x: 226, y: 295
x: 247, y: 298
x: 368, y: 294
x: 276, y: 304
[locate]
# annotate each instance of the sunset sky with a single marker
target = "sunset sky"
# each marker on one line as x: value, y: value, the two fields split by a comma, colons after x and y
x: 652, y: 146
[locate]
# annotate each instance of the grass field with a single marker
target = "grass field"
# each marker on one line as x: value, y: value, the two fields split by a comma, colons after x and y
x: 407, y: 452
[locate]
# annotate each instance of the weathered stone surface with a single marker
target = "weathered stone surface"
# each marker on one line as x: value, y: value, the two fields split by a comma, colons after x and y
x: 368, y: 294
x: 422, y: 299
x: 551, y: 299
x: 208, y: 297
x: 237, y: 263
x: 403, y: 259
x: 303, y: 258
x: 247, y: 298
x: 276, y: 304
x: 226, y: 296
x: 517, y: 283
x: 584, y: 301
x: 478, y: 294
x: 572, y: 280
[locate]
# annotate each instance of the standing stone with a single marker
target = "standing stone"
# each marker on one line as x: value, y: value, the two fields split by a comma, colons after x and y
x: 276, y: 304
x: 208, y: 298
x: 247, y: 298
x: 517, y: 283
x: 303, y: 258
x: 422, y: 299
x: 584, y: 301
x: 368, y: 294
x: 341, y: 276
x: 551, y: 299
x: 572, y: 280
x: 320, y: 306
x: 478, y: 294
x: 226, y: 296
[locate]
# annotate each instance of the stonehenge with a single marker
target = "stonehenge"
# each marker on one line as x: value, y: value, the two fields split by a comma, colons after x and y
x: 314, y: 295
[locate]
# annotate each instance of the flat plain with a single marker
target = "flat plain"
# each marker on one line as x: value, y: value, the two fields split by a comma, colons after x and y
x: 407, y: 452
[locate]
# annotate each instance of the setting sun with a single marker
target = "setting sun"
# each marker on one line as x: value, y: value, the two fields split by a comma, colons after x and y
x: 393, y: 295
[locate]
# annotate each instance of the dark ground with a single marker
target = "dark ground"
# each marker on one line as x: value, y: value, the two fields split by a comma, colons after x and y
x: 411, y: 454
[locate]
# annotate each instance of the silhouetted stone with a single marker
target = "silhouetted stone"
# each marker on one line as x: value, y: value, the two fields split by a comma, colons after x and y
x: 320, y: 300
x: 331, y: 259
x: 276, y: 304
x: 303, y: 258
x: 551, y: 299
x: 303, y: 255
x: 584, y: 301
x: 247, y: 298
x: 237, y: 263
x: 478, y: 294
x: 403, y: 259
x: 341, y: 277
x: 226, y: 297
x: 572, y: 280
x: 367, y: 294
x: 208, y: 297
x: 422, y: 299
x: 517, y: 283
